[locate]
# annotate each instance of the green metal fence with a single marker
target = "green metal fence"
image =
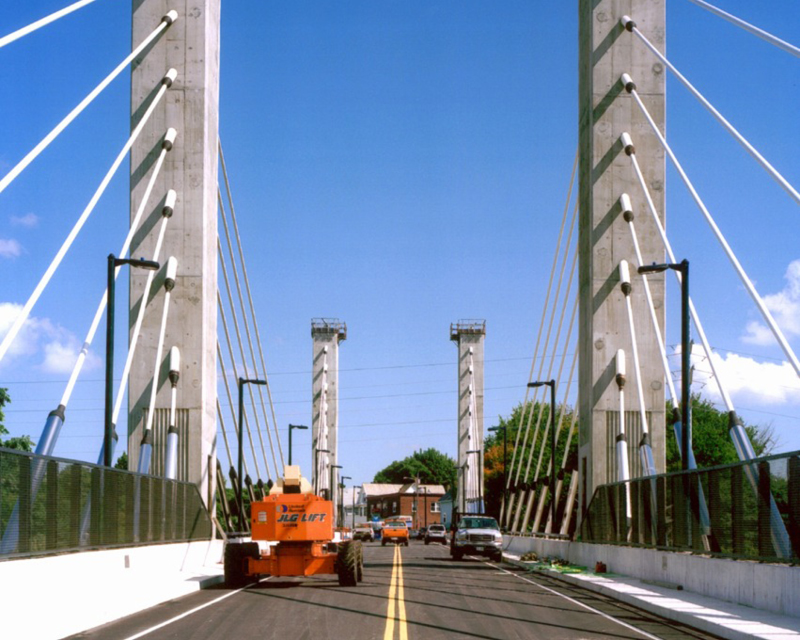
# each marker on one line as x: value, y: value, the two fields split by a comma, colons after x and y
x: 52, y: 505
x: 746, y: 510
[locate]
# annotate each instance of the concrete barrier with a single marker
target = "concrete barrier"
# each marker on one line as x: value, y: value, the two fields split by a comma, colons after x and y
x: 56, y: 596
x: 767, y: 587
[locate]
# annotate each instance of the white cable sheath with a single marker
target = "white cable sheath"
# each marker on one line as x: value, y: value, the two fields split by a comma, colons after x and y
x: 627, y: 22
x: 728, y: 251
x: 43, y: 144
x: 764, y: 35
x: 37, y: 292
x: 169, y: 140
x: 33, y: 26
x: 166, y: 213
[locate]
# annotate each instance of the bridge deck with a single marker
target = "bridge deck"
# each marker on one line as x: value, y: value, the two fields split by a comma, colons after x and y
x: 426, y: 593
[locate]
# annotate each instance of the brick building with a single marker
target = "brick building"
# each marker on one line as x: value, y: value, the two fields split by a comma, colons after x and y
x: 421, y: 502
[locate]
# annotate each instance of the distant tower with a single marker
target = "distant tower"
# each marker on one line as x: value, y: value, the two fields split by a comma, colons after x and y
x: 469, y: 336
x: 326, y: 334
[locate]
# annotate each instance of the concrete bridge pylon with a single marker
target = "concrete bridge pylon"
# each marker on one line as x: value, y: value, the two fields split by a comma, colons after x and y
x: 607, y: 111
x: 191, y: 46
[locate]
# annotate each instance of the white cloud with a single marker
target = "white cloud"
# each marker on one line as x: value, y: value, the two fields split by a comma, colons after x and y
x: 785, y: 308
x: 46, y: 345
x: 29, y: 220
x: 10, y: 248
x: 746, y: 380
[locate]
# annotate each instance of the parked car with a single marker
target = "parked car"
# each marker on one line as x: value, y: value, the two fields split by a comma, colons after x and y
x: 363, y: 532
x: 396, y: 532
x: 436, y: 533
x: 477, y: 535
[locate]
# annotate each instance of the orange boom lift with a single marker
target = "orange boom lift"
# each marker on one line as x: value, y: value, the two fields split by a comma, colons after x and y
x: 299, y: 527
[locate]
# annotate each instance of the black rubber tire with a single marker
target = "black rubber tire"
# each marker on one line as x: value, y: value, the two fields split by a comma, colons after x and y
x: 427, y: 542
x: 457, y: 555
x: 360, y: 565
x: 406, y: 543
x: 235, y: 558
x: 383, y: 543
x: 347, y: 563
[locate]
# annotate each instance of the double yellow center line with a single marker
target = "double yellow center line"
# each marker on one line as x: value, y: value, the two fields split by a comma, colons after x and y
x: 396, y: 611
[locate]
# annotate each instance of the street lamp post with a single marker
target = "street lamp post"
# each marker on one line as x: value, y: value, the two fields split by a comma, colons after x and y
x: 332, y: 489
x: 113, y: 263
x: 686, y: 359
x: 291, y: 427
x: 342, y: 519
x: 242, y: 382
x: 505, y: 458
x: 552, y: 385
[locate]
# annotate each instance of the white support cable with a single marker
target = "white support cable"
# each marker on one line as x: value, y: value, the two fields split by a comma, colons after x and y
x: 42, y: 22
x: 169, y: 285
x: 764, y: 35
x: 565, y: 457
x: 630, y: 25
x: 123, y: 154
x: 231, y: 405
x: 219, y: 408
x: 698, y: 325
x: 249, y: 339
x: 629, y: 218
x: 235, y: 321
x: 166, y: 21
x: 252, y: 306
x: 721, y: 239
x: 551, y: 420
x: 544, y: 310
x: 166, y: 146
x: 558, y: 425
x: 245, y: 419
x: 552, y: 360
x: 565, y: 259
x: 166, y: 214
x: 625, y: 281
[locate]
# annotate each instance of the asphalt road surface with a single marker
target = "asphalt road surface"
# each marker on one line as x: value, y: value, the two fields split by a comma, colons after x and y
x: 407, y: 593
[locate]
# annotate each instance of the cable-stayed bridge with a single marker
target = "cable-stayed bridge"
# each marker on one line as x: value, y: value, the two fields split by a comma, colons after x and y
x: 191, y: 384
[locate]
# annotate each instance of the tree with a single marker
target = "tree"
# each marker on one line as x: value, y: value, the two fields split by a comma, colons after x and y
x: 533, y: 414
x: 21, y: 443
x: 122, y: 462
x: 432, y: 467
x: 711, y: 441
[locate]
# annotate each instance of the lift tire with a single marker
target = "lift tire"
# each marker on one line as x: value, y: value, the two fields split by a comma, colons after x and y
x: 347, y: 563
x: 235, y: 563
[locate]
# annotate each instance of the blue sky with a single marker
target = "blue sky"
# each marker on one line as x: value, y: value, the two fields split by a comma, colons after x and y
x: 399, y: 165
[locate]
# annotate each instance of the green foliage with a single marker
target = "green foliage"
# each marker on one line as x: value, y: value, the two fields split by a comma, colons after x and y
x: 432, y: 467
x: 21, y: 443
x: 122, y: 462
x: 523, y: 415
x: 710, y: 439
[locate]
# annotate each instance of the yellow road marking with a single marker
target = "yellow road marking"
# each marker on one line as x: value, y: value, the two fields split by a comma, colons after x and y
x: 396, y: 609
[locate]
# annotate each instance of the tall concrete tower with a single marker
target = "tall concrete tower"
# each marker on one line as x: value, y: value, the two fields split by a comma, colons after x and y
x: 326, y: 334
x: 191, y: 105
x: 607, y: 51
x: 469, y: 336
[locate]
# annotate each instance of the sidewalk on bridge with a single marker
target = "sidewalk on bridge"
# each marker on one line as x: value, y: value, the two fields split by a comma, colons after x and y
x: 58, y: 596
x: 725, y: 619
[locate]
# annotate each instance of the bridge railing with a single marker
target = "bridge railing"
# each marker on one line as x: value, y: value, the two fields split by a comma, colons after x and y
x: 747, y: 510
x: 50, y: 505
